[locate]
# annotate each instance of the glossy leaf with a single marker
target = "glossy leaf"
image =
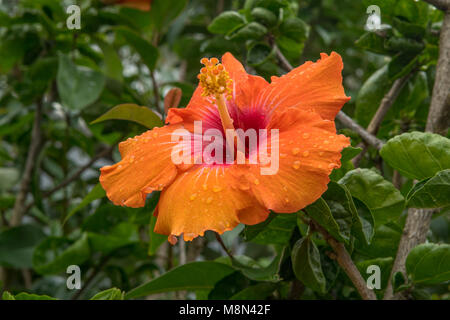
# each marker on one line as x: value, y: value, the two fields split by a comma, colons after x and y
x: 306, y: 264
x: 417, y: 155
x: 384, y: 201
x: 72, y: 80
x: 132, y: 112
x: 202, y: 275
x: 431, y: 193
x: 54, y: 255
x: 226, y: 22
x: 429, y: 263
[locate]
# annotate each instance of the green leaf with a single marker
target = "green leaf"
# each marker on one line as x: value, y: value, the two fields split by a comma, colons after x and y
x: 384, y: 201
x: 349, y: 153
x: 54, y: 255
x: 148, y: 52
x: 417, y: 155
x: 30, y: 296
x: 384, y: 243
x: 201, y: 275
x: 78, y: 86
x: 259, y: 291
x: 163, y: 13
x: 109, y: 294
x: 251, y: 31
x: 226, y: 22
x: 96, y: 193
x: 264, y: 16
x: 429, y: 263
x: 7, y: 296
x: 363, y: 225
x: 306, y: 264
x: 112, y: 64
x: 372, y: 42
x: 385, y: 265
x: 269, y: 273
x: 431, y: 193
x: 370, y: 95
x: 277, y: 229
x: 258, y: 54
x: 8, y: 177
x: 132, y: 112
x: 118, y: 236
x: 17, y: 245
x: 155, y: 239
x: 320, y: 212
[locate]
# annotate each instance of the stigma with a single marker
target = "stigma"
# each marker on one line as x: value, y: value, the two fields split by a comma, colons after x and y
x: 214, y: 79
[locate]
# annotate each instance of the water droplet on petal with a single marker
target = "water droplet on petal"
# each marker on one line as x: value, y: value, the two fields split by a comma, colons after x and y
x: 286, y: 200
x: 295, y: 151
x: 205, y: 187
x: 305, y: 153
x: 283, y: 155
x: 193, y: 196
x: 326, y: 142
x: 306, y: 135
x: 217, y: 189
x: 155, y: 134
x: 321, y: 153
x: 296, y: 165
x: 256, y: 181
x: 209, y: 200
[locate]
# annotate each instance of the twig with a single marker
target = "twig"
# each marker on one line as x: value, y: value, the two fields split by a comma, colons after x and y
x: 73, y: 177
x: 156, y: 91
x: 33, y: 150
x: 285, y: 64
x: 439, y: 115
x: 366, y: 136
x: 385, y: 104
x: 346, y: 263
x: 91, y: 277
x: 219, y: 239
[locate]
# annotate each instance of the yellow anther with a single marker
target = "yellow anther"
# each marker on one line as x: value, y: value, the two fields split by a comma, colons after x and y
x: 214, y: 79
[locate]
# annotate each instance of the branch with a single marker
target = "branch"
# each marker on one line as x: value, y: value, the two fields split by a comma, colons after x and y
x: 341, y: 116
x: 219, y: 239
x: 385, y: 104
x: 366, y: 136
x: 73, y: 177
x: 418, y: 220
x: 439, y: 115
x: 33, y: 150
x: 346, y: 263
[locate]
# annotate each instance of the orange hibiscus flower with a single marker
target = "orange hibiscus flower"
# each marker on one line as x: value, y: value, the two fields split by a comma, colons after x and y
x: 217, y: 195
x: 137, y: 4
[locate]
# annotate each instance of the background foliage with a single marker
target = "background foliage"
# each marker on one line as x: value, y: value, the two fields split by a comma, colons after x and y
x: 54, y: 82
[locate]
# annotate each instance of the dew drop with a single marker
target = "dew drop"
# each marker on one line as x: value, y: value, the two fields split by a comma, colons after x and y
x: 217, y: 189
x: 283, y: 155
x: 321, y: 153
x: 256, y: 181
x: 295, y: 151
x: 286, y: 200
x: 193, y: 196
x: 326, y: 142
x: 155, y: 134
x: 296, y: 165
x: 306, y: 135
x: 205, y: 187
x: 209, y: 200
x: 306, y: 153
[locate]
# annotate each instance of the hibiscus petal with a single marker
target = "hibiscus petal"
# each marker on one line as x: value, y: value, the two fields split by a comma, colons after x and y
x: 146, y: 166
x: 204, y: 198
x: 312, y: 86
x: 309, y: 149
